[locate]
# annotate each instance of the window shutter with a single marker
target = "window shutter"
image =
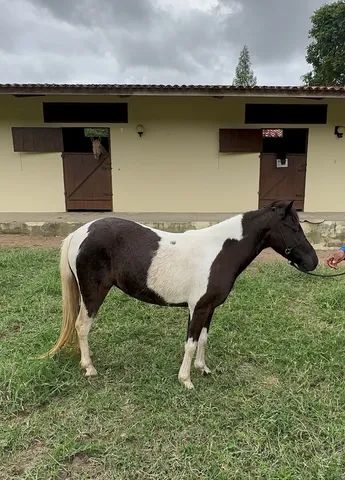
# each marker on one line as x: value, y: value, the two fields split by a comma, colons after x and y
x: 240, y: 140
x: 37, y: 139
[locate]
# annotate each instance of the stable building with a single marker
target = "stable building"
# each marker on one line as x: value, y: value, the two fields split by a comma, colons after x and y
x: 211, y: 149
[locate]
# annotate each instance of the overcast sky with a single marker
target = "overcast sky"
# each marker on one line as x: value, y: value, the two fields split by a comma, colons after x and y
x: 152, y: 41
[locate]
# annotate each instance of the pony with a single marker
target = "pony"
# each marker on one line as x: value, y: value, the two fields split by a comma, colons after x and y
x: 195, y: 269
x: 97, y: 148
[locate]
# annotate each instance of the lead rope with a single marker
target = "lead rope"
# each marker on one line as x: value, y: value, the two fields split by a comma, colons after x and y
x: 316, y: 274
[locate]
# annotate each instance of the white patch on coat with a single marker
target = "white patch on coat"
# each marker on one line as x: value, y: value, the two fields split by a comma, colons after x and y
x: 82, y: 326
x: 200, y: 353
x: 184, y: 373
x: 180, y: 270
x: 77, y: 238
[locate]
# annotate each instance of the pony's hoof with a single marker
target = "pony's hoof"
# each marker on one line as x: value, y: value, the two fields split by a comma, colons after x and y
x: 203, y: 369
x: 90, y: 371
x: 187, y: 383
x: 206, y: 371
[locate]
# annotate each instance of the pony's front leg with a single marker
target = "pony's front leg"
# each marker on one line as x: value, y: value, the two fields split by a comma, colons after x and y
x: 198, y: 319
x: 83, y: 325
x: 200, y: 359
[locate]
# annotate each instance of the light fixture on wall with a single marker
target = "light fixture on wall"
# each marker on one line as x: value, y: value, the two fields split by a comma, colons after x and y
x: 339, y: 131
x: 140, y: 130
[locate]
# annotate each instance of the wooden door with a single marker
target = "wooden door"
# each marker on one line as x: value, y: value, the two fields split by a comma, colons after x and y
x: 282, y: 183
x: 87, y: 182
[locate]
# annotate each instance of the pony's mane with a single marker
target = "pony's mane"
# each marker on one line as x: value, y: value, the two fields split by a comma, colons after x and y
x: 255, y: 215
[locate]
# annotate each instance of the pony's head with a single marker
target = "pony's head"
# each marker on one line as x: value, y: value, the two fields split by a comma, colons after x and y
x: 96, y: 147
x: 286, y: 237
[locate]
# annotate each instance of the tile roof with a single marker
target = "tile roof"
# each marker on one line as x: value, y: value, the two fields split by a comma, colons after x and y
x: 202, y: 90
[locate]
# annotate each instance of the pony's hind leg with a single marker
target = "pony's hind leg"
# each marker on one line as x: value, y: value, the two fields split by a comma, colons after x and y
x: 82, y: 326
x: 93, y: 292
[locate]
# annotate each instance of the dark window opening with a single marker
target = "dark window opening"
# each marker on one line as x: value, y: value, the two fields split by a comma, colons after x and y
x: 74, y: 140
x: 283, y: 114
x: 293, y: 140
x: 69, y: 112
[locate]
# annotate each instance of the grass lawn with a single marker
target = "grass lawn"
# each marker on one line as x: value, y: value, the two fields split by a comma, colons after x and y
x: 274, y: 407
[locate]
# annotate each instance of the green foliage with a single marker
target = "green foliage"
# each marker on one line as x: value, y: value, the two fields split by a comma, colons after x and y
x: 273, y: 408
x: 244, y: 75
x: 96, y: 132
x: 326, y: 52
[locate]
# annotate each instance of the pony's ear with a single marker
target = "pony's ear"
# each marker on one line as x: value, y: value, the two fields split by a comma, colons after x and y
x: 289, y: 206
x: 282, y: 209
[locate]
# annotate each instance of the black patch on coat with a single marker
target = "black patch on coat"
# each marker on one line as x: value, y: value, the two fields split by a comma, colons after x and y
x: 223, y: 273
x: 232, y: 259
x: 116, y: 252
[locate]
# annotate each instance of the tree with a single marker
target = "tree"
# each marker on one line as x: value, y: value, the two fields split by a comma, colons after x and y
x: 326, y: 52
x: 244, y: 75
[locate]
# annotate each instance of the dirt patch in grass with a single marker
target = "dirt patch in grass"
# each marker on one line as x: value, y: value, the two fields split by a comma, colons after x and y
x: 83, y: 466
x: 23, y: 461
x: 30, y: 241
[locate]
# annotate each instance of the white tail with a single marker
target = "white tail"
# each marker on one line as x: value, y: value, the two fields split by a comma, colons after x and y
x: 70, y: 301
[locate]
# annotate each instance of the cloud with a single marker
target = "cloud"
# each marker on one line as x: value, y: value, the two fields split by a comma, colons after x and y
x: 152, y: 41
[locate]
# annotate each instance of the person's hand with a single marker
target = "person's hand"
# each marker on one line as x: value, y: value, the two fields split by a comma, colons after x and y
x: 334, y: 258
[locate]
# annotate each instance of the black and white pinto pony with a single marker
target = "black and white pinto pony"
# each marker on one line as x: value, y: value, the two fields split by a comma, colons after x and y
x: 196, y: 269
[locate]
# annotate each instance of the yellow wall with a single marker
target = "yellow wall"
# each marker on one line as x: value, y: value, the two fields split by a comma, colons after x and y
x: 175, y: 166
x: 325, y: 181
x: 29, y: 182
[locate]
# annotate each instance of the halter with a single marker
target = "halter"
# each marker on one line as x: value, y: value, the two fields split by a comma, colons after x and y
x: 288, y: 250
